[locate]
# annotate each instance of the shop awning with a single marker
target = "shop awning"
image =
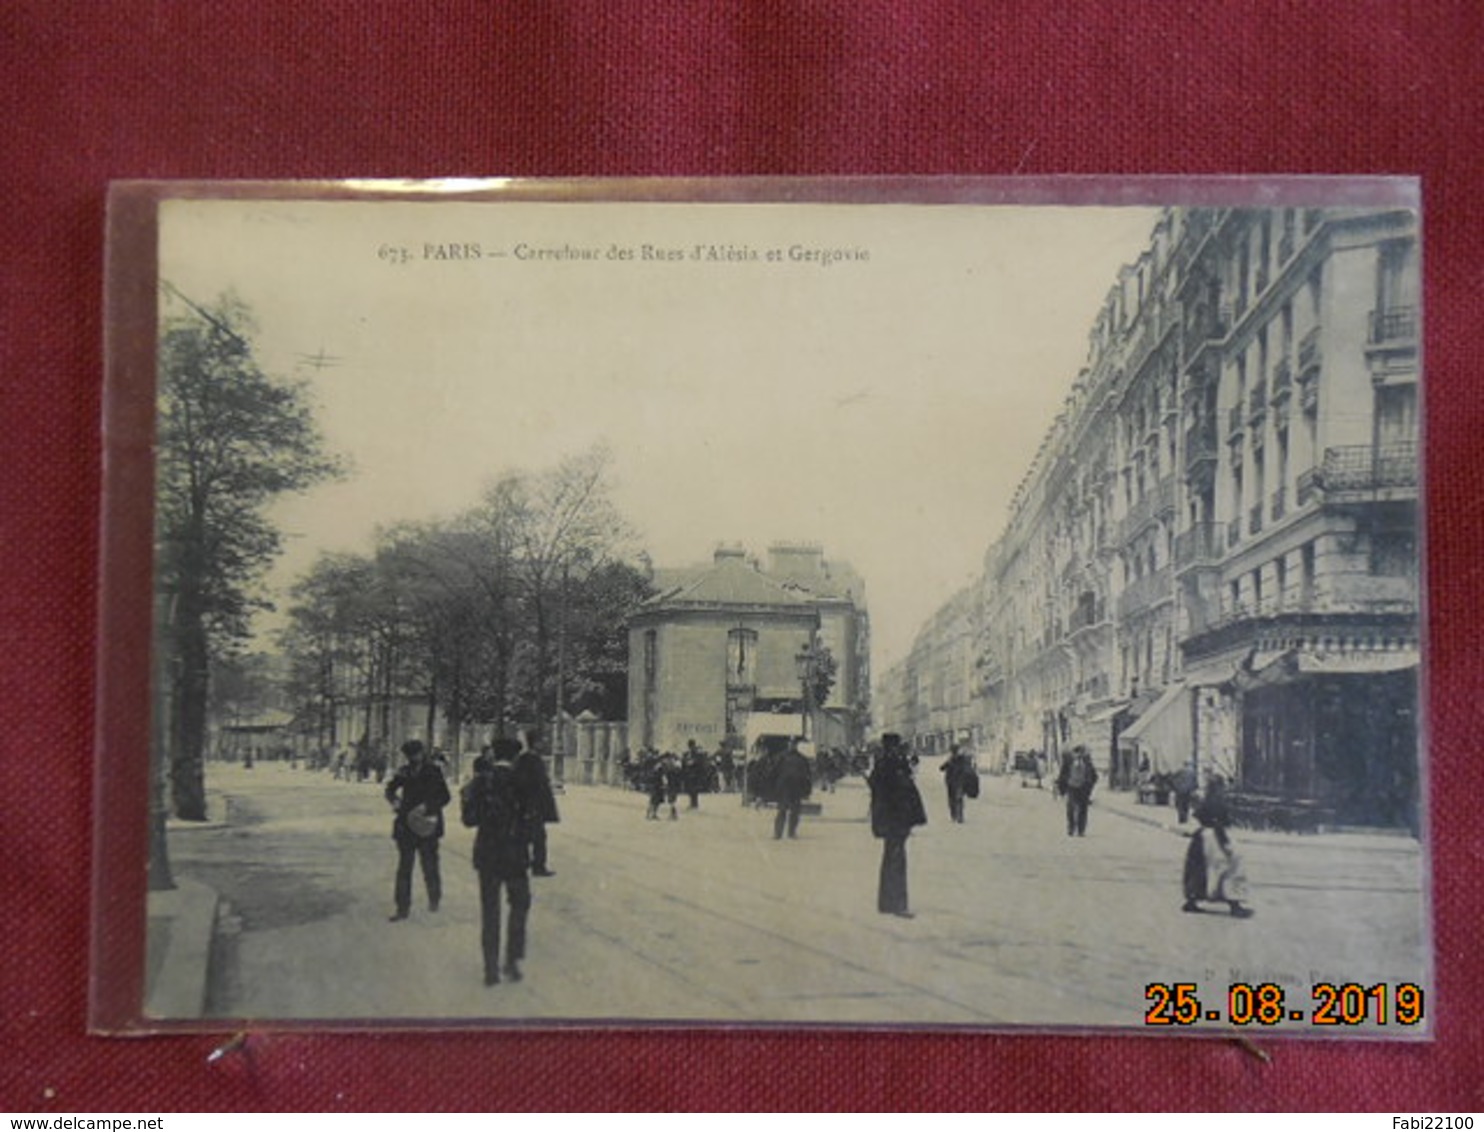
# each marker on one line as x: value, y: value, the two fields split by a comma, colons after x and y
x: 1356, y: 663
x: 1163, y: 730
x: 1292, y: 664
x: 1104, y: 714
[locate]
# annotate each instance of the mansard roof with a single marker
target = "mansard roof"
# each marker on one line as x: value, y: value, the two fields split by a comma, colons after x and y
x: 730, y: 582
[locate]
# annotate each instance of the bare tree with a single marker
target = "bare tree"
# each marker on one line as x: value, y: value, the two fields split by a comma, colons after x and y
x: 568, y: 530
x: 323, y: 640
x: 511, y: 611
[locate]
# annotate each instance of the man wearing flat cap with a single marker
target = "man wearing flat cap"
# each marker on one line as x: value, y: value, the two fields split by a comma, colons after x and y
x: 418, y: 793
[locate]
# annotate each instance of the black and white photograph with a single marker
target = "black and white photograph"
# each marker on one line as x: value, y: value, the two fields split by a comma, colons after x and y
x: 982, y: 606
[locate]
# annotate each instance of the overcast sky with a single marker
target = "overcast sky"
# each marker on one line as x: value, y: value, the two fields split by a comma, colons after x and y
x: 884, y: 406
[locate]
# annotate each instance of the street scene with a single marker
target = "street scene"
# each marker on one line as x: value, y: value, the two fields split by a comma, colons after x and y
x: 738, y: 613
x: 708, y: 917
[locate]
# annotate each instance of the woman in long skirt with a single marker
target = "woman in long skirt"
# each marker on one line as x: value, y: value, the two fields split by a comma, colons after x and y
x: 1213, y: 869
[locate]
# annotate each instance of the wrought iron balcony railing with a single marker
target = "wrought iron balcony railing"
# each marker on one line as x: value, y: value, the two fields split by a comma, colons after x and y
x: 1200, y: 545
x: 1367, y: 467
x: 1391, y: 325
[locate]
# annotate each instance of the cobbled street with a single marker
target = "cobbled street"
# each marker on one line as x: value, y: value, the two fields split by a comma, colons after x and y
x: 708, y: 918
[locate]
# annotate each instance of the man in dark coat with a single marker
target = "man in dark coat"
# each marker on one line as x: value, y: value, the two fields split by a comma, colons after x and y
x: 958, y: 771
x: 793, y: 779
x: 896, y: 809
x: 530, y: 770
x: 758, y: 778
x: 418, y: 793
x: 494, y: 804
x: 696, y: 771
x: 1075, y: 782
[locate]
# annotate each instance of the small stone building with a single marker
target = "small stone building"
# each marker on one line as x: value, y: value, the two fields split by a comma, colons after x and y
x: 721, y: 642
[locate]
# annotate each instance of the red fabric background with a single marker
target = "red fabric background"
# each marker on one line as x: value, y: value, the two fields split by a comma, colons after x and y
x: 268, y: 88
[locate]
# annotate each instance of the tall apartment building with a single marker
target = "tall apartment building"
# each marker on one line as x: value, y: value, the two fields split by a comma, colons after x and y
x: 1213, y: 557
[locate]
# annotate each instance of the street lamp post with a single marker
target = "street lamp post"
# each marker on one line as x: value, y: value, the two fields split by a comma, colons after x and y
x: 805, y: 660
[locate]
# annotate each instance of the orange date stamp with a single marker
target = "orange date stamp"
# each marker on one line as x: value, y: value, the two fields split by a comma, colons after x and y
x: 1272, y: 1004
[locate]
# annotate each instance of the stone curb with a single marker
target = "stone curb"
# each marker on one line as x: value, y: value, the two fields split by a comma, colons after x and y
x: 186, y: 916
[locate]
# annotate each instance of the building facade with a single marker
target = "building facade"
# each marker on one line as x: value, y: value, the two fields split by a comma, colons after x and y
x: 1213, y: 557
x: 721, y: 644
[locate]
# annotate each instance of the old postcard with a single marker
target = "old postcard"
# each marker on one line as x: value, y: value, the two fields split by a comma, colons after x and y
x: 977, y: 604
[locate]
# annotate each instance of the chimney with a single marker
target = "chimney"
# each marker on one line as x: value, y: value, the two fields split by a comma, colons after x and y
x: 796, y: 561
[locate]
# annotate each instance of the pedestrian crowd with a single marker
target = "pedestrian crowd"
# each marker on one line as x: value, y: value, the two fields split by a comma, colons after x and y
x: 509, y: 800
x: 663, y: 776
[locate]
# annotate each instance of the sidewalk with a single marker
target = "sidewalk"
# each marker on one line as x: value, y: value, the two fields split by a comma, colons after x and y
x: 639, y: 890
x: 1126, y: 805
x: 181, y: 926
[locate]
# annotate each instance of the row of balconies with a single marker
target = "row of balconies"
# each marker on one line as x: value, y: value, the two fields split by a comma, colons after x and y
x: 1359, y: 594
x: 1339, y: 593
x: 1350, y: 468
x: 1347, y: 468
x: 1364, y: 594
x: 1388, y: 327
